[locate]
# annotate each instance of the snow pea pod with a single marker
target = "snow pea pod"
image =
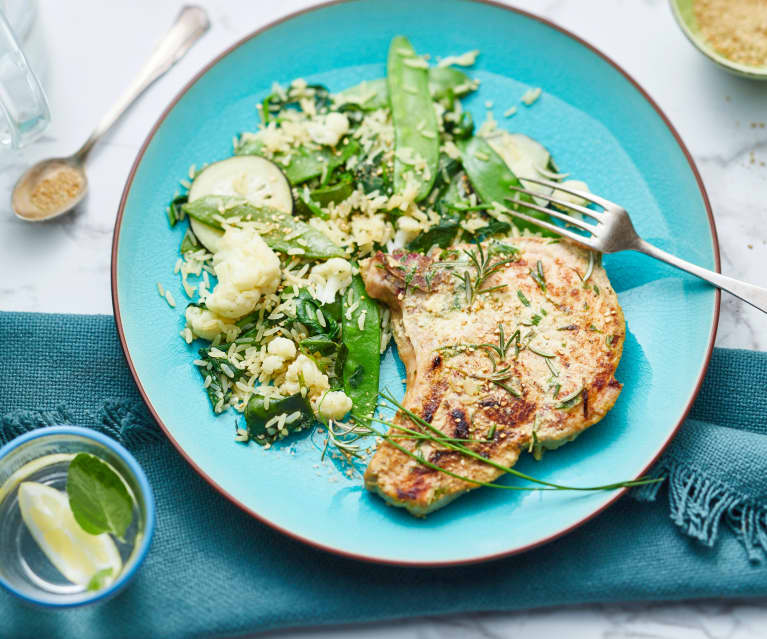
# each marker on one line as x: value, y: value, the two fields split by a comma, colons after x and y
x: 416, y: 133
x: 491, y: 179
x: 362, y: 338
x: 314, y: 244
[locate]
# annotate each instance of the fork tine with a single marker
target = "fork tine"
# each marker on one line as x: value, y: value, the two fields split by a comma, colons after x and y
x: 586, y: 195
x: 569, y: 205
x: 579, y: 239
x: 584, y: 226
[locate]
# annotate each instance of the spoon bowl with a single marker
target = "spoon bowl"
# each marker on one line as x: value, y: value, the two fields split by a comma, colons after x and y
x: 55, y: 186
x: 49, y: 189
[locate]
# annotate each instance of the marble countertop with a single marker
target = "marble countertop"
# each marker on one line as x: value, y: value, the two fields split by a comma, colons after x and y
x: 63, y: 266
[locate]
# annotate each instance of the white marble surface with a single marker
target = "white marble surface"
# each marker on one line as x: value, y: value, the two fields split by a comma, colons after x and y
x: 86, y: 51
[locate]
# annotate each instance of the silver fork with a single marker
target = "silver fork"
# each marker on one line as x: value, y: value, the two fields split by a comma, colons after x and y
x: 614, y: 232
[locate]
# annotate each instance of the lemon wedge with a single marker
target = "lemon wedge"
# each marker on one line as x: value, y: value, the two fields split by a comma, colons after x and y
x: 78, y: 555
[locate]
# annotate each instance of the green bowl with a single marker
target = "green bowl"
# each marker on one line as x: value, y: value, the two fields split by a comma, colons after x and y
x: 685, y: 16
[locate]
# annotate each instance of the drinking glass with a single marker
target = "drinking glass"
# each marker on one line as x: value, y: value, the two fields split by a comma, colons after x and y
x: 24, y: 110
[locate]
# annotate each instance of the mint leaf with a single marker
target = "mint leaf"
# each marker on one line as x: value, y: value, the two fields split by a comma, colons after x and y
x: 100, y: 579
x: 97, y: 496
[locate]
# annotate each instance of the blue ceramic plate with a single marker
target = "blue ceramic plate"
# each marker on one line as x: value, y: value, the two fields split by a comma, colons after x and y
x: 597, y: 123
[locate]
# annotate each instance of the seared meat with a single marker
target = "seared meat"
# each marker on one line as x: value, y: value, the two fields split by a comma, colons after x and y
x: 563, y: 339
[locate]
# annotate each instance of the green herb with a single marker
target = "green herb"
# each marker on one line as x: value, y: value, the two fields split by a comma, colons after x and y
x: 573, y: 399
x: 175, y: 209
x: 536, y: 319
x: 257, y: 416
x: 553, y: 370
x: 99, y: 500
x: 537, y: 275
x: 438, y: 437
x: 507, y: 388
x: 100, y: 579
x: 522, y: 297
x: 491, y: 432
x: 556, y: 390
x: 541, y: 353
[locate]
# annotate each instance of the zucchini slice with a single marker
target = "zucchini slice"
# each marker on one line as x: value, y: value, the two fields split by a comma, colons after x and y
x: 258, y: 180
x: 523, y: 155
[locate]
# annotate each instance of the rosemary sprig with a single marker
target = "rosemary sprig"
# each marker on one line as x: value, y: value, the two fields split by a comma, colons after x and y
x: 522, y: 297
x: 538, y: 276
x: 440, y: 438
x: 573, y: 399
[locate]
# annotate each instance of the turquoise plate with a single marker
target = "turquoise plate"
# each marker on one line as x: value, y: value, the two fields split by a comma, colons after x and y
x: 597, y: 123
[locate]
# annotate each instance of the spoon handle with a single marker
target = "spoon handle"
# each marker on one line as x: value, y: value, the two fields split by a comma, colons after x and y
x: 191, y: 24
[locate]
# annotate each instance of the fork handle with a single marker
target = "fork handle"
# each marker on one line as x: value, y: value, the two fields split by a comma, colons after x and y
x: 754, y: 295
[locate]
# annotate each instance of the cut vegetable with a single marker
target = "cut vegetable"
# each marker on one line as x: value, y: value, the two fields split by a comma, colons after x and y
x: 251, y: 177
x: 523, y: 155
x: 281, y: 231
x: 416, y: 132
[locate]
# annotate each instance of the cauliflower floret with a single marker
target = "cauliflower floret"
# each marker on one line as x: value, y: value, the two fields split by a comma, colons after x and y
x: 271, y: 364
x: 334, y: 405
x: 407, y: 230
x: 329, y: 130
x: 207, y: 325
x: 303, y: 369
x: 367, y: 230
x: 246, y: 269
x: 329, y: 278
x: 282, y: 347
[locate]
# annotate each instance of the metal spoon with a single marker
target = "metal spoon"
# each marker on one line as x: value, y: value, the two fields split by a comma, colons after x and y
x: 54, y: 187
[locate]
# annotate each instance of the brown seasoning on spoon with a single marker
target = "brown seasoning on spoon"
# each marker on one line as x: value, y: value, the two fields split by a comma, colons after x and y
x: 56, y: 189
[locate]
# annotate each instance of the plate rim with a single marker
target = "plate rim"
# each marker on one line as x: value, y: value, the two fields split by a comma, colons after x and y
x: 339, y: 551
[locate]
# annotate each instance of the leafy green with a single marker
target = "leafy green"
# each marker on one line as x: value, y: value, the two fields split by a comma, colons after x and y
x: 175, y: 213
x: 306, y: 313
x: 189, y: 242
x: 257, y: 415
x: 99, y: 500
x: 99, y: 579
x: 440, y: 234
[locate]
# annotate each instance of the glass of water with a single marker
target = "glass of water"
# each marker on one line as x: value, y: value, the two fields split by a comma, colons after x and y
x: 24, y: 110
x: 42, y: 457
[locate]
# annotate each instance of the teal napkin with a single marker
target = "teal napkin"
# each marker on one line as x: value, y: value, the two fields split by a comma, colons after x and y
x: 214, y: 571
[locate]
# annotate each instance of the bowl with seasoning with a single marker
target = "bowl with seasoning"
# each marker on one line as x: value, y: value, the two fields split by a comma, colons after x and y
x: 732, y: 33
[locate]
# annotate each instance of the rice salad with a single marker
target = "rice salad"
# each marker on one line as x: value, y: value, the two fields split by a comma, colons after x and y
x: 269, y: 260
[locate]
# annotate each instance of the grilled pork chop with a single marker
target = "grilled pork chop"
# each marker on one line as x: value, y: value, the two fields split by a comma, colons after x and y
x: 551, y: 378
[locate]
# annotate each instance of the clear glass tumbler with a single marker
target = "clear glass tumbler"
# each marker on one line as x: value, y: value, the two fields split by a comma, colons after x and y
x: 43, y: 456
x: 24, y: 112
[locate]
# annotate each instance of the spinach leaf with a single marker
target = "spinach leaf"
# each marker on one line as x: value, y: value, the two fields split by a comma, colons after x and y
x: 175, y: 212
x: 441, y: 234
x: 306, y: 313
x: 257, y: 415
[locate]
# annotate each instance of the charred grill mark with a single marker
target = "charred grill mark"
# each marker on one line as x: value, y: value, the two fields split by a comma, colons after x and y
x: 507, y: 412
x: 413, y: 492
x: 614, y: 383
x: 585, y: 403
x: 436, y: 363
x: 432, y: 402
x: 461, y: 425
